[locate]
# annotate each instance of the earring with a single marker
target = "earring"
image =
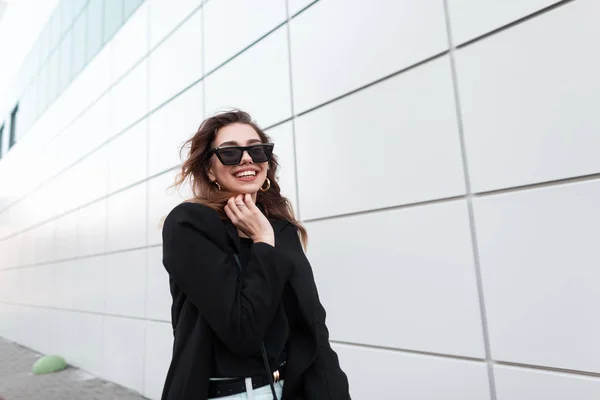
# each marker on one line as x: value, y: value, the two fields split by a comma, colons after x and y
x: 217, y: 183
x: 264, y: 189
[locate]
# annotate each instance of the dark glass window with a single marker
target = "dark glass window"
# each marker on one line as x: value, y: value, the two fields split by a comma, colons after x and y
x: 1, y: 137
x: 13, y: 127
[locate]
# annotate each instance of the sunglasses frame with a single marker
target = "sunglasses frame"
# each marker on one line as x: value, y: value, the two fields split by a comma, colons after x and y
x: 215, y: 150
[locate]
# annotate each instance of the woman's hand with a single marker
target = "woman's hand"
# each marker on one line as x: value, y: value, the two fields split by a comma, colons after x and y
x: 244, y: 214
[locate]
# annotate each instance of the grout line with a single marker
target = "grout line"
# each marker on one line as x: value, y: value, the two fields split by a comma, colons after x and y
x: 294, y: 138
x: 514, y: 23
x: 469, y: 198
x: 287, y: 21
x: 549, y: 369
x: 306, y: 7
x: 84, y: 257
x: 102, y: 314
x: 375, y: 82
x: 408, y: 351
x: 242, y: 51
x: 552, y: 183
x: 535, y: 367
x: 384, y: 209
x: 174, y: 29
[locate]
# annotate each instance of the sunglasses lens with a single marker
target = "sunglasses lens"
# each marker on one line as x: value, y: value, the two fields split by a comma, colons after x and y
x: 231, y: 156
x: 260, y: 154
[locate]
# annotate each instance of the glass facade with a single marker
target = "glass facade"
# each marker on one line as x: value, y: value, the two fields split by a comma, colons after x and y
x: 73, y: 35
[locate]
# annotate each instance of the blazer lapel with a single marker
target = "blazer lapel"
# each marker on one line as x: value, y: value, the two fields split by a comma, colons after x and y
x: 234, y: 238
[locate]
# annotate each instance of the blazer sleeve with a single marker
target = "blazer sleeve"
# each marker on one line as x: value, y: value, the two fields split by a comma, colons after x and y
x: 238, y: 307
x: 327, y: 375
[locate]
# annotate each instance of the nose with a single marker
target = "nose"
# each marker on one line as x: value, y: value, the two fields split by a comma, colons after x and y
x: 246, y: 159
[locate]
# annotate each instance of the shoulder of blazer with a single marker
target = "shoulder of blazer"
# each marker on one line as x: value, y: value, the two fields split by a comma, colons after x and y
x: 201, y: 218
x: 207, y: 221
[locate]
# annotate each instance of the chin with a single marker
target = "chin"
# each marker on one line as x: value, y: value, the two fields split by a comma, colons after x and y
x: 246, y: 189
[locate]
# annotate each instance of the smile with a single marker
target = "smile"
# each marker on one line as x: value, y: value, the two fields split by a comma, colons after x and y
x: 247, y: 175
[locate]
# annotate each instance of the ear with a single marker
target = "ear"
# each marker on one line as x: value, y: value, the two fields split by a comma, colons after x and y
x: 210, y: 174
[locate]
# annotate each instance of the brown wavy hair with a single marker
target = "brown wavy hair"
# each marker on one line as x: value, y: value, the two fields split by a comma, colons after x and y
x: 194, y: 169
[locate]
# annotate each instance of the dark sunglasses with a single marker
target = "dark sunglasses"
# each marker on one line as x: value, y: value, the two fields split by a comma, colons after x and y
x: 232, y: 155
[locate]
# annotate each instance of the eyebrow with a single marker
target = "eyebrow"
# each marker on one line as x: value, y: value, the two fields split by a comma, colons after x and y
x: 234, y: 143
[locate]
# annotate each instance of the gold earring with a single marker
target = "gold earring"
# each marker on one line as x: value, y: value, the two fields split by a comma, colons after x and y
x: 264, y: 189
x: 217, y: 183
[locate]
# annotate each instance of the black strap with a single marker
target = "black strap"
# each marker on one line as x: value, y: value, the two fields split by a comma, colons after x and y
x: 262, y: 345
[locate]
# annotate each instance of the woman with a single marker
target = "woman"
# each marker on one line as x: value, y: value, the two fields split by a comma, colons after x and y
x: 246, y: 316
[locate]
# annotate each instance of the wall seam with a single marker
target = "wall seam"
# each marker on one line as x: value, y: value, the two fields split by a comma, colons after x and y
x: 469, y: 200
x: 293, y: 120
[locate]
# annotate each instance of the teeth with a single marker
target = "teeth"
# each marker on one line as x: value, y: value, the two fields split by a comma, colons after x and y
x: 246, y: 173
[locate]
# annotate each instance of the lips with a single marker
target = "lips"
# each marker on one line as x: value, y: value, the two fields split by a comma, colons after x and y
x: 246, y: 175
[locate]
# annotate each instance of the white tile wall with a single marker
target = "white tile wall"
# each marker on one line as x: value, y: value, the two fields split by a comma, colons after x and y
x: 162, y: 198
x: 123, y: 360
x: 250, y: 84
x: 44, y: 242
x: 410, y: 157
x: 95, y: 79
x: 295, y: 6
x: 525, y: 384
x: 94, y: 127
x: 87, y: 346
x: 11, y: 285
x: 126, y: 283
x: 177, y: 62
x: 381, y: 374
x: 158, y: 295
x: 166, y: 15
x: 63, y: 273
x: 471, y: 18
x: 92, y: 173
x: 65, y: 236
x: 431, y: 291
x: 172, y: 125
x: 129, y: 98
x: 80, y: 254
x: 131, y: 43
x: 89, y: 289
x: 159, y: 344
x: 251, y: 22
x: 91, y: 228
x: 539, y: 258
x: 283, y: 137
x: 128, y: 154
x: 127, y: 219
x: 522, y: 124
x: 372, y: 40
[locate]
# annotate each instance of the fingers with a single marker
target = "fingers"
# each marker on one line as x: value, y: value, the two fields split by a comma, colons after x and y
x: 228, y: 211
x: 234, y: 213
x: 249, y: 202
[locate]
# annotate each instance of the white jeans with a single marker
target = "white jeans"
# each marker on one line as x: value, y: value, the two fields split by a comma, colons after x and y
x: 262, y: 393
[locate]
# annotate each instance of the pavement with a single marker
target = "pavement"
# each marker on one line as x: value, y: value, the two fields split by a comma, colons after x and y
x: 18, y: 383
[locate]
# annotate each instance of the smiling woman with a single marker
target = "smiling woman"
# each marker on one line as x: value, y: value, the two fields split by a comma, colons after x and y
x: 246, y: 314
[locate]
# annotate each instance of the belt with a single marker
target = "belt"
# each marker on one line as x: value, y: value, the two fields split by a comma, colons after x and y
x: 238, y: 385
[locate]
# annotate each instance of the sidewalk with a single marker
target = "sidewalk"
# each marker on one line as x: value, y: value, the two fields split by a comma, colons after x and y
x: 18, y: 383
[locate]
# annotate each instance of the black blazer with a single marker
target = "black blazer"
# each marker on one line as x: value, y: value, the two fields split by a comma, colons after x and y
x: 211, y: 297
